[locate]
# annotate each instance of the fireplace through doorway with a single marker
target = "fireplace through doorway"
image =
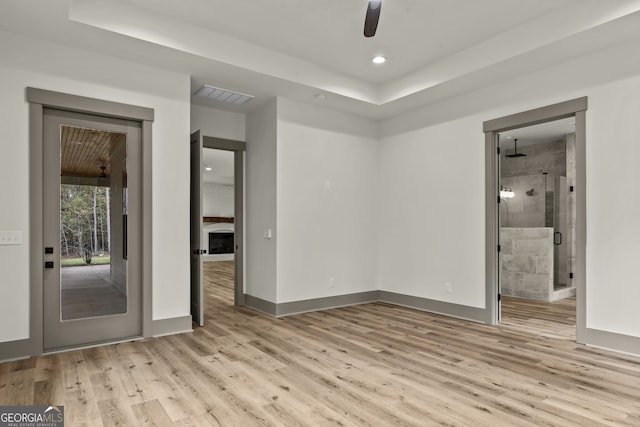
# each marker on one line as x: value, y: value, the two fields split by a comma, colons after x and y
x: 221, y: 243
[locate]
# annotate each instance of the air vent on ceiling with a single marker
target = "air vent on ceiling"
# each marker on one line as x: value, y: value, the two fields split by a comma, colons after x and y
x: 223, y: 95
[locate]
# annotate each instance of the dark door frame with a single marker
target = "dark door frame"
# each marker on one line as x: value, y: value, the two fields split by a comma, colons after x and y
x: 59, y: 334
x: 238, y: 148
x: 576, y: 107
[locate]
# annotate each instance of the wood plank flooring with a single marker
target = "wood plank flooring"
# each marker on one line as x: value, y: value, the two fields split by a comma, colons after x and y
x: 368, y: 365
x: 555, y: 320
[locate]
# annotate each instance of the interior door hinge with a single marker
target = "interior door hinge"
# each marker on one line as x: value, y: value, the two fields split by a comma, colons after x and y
x: 498, y: 248
x: 498, y: 199
x: 499, y: 297
x: 498, y: 150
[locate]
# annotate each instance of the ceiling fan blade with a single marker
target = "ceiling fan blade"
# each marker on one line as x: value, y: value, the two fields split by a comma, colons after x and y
x: 372, y: 17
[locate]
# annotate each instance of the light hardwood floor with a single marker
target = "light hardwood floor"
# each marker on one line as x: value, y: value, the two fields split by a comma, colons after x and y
x: 553, y: 320
x: 368, y: 365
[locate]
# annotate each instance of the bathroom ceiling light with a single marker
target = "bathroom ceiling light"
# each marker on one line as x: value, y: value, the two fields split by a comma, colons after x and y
x: 379, y: 59
x: 506, y: 193
x: 207, y: 168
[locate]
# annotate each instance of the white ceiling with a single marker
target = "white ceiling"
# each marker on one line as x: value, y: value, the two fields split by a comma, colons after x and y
x: 328, y: 33
x: 437, y: 49
x: 537, y: 134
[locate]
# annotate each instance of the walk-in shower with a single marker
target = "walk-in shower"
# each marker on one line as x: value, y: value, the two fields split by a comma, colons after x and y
x: 535, y: 237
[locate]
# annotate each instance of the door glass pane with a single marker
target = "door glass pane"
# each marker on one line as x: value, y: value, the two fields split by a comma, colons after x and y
x: 93, y: 273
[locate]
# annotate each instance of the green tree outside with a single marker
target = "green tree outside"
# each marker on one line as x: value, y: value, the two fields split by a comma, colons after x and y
x: 84, y: 222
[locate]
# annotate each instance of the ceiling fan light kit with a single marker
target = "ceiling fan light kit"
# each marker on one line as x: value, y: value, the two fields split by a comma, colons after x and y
x: 102, y: 173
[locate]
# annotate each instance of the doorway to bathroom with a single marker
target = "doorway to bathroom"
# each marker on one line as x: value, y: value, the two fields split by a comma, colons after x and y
x: 536, y: 220
x: 537, y: 217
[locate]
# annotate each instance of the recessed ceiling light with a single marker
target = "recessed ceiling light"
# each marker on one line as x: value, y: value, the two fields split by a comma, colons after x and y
x: 509, y: 137
x: 207, y: 168
x: 320, y: 96
x: 379, y: 59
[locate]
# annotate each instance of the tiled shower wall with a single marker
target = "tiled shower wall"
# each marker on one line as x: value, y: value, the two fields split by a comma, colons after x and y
x: 524, y: 210
x: 555, y: 158
x: 527, y: 262
x: 549, y: 157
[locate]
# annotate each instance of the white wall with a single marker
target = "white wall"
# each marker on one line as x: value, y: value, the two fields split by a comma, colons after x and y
x: 432, y: 185
x: 293, y: 149
x: 218, y: 123
x: 217, y: 199
x: 323, y: 233
x: 613, y: 207
x: 27, y: 62
x: 260, y: 208
x: 431, y: 213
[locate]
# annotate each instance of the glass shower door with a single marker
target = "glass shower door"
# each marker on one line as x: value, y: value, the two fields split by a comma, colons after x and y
x: 557, y: 216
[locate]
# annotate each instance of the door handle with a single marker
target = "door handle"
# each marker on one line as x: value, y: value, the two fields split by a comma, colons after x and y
x: 557, y: 241
x: 199, y: 251
x: 203, y: 251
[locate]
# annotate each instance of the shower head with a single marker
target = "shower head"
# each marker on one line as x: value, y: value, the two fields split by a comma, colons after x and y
x: 515, y: 150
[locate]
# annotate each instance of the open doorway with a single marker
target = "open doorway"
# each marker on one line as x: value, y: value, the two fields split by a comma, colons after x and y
x: 217, y: 223
x: 218, y: 226
x: 493, y: 129
x: 537, y: 217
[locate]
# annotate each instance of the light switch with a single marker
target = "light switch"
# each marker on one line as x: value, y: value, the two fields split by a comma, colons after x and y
x: 10, y: 237
x: 327, y: 186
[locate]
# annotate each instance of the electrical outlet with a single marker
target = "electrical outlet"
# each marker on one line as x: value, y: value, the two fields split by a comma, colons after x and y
x: 447, y: 287
x: 332, y: 282
x: 10, y: 238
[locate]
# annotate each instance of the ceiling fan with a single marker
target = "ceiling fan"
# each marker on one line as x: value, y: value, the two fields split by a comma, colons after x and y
x: 372, y: 17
